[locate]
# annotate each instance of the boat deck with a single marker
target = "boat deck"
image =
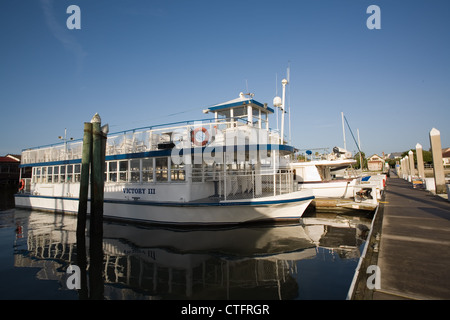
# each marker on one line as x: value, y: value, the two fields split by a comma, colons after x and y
x: 236, y: 197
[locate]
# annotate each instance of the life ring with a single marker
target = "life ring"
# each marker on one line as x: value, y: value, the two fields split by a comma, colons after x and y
x: 21, y: 184
x: 204, y: 141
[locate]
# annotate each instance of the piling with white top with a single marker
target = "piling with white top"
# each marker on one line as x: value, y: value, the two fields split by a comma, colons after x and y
x: 412, y: 168
x: 420, y: 166
x: 406, y: 166
x: 438, y: 166
x: 92, y: 174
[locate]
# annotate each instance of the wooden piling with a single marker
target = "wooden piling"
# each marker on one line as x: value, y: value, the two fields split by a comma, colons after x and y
x: 92, y: 171
x: 420, y: 166
x: 96, y: 218
x: 407, y: 171
x: 97, y: 178
x: 438, y: 166
x: 84, y: 179
x: 82, y: 208
x: 411, y: 164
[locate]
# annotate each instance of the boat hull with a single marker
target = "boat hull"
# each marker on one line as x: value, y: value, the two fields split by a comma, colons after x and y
x: 330, y: 189
x: 287, y: 207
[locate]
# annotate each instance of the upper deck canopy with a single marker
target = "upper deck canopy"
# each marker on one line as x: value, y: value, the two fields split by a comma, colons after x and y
x: 224, y: 108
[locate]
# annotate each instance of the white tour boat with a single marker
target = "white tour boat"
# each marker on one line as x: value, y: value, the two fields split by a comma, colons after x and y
x: 335, y: 184
x: 231, y: 169
x: 323, y: 178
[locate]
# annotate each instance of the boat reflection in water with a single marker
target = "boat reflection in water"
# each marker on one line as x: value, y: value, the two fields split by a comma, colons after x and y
x: 258, y: 262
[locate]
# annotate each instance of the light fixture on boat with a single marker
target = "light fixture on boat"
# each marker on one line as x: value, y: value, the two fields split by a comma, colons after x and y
x: 65, y: 136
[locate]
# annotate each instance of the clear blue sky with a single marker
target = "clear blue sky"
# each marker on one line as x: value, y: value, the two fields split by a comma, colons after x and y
x: 142, y: 62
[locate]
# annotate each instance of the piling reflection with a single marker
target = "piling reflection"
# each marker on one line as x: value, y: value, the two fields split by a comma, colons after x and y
x: 154, y: 263
x: 82, y: 262
x: 91, y: 266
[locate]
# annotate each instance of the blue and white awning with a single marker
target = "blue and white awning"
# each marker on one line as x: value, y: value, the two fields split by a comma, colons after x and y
x: 238, y: 102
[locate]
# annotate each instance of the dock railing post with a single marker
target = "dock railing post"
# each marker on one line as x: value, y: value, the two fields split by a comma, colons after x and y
x: 438, y: 165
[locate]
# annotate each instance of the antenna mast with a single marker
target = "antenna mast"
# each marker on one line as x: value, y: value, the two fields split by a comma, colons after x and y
x: 284, y: 82
x: 276, y: 95
x: 343, y: 130
x: 289, y: 100
x: 281, y: 103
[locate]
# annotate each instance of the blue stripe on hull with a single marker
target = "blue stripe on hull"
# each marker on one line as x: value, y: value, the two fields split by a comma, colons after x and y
x: 181, y: 204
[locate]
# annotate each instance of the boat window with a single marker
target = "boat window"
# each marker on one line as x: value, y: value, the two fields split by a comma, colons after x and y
x: 36, y: 173
x: 177, y: 172
x: 62, y: 177
x: 50, y: 174
x: 112, y: 169
x: 161, y: 169
x: 225, y: 113
x: 240, y: 112
x: 135, y: 168
x: 77, y: 173
x: 123, y: 170
x: 56, y: 174
x: 69, y: 176
x: 147, y: 170
x: 44, y: 175
x: 256, y: 117
x: 264, y: 121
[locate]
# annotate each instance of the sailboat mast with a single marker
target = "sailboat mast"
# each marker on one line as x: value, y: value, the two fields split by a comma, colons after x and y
x: 343, y: 130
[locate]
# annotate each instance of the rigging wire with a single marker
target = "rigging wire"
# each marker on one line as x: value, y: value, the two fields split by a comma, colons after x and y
x: 357, y: 145
x: 155, y: 118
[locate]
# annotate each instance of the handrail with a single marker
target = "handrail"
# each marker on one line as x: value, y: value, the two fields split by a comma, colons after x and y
x: 185, y: 122
x: 247, y: 184
x: 135, y: 140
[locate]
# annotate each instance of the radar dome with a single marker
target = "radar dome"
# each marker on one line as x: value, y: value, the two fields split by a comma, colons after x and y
x: 277, y: 101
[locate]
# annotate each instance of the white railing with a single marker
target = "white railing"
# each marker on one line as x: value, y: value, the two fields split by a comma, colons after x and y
x: 146, y: 139
x: 58, y: 152
x: 247, y: 184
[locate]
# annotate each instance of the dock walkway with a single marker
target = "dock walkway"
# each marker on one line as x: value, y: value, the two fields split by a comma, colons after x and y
x: 410, y: 244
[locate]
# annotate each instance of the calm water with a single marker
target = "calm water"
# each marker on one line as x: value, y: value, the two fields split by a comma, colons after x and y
x: 315, y: 259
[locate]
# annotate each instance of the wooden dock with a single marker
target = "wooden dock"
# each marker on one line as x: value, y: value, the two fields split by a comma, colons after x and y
x: 333, y: 204
x: 410, y: 243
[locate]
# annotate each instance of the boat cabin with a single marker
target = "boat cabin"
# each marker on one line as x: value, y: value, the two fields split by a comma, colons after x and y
x: 244, y: 109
